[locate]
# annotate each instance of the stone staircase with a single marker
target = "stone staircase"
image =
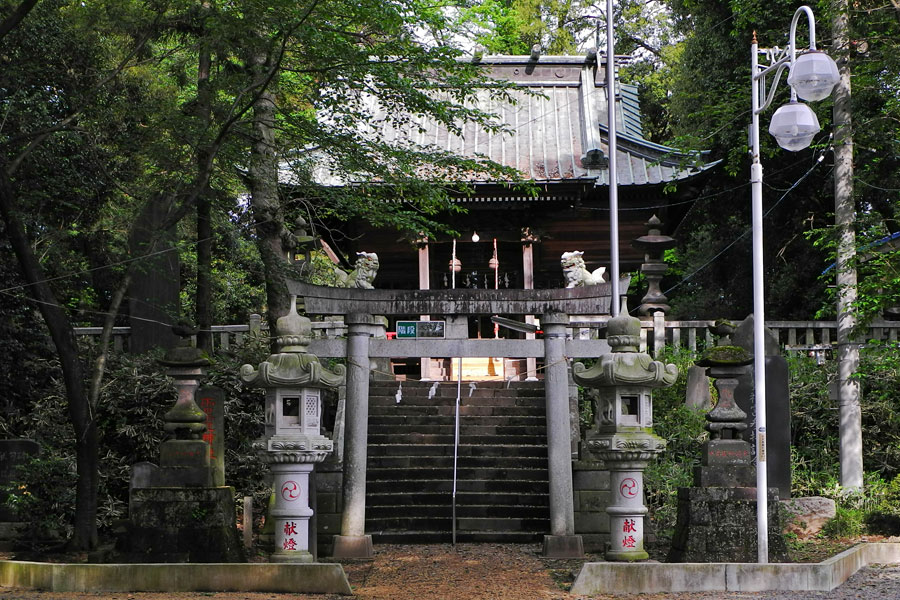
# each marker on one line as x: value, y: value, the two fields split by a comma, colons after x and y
x: 502, y: 489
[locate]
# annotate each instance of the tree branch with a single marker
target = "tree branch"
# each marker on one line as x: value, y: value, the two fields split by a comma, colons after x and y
x: 13, y: 20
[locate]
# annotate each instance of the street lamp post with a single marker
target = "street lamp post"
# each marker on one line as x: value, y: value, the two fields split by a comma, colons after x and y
x: 812, y: 76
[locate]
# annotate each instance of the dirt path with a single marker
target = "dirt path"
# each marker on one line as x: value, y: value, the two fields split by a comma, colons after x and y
x: 485, y: 572
x: 470, y: 572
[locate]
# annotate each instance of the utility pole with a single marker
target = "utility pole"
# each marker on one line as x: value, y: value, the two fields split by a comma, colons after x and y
x: 848, y: 388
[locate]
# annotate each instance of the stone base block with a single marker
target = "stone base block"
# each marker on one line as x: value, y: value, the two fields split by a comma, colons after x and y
x: 181, y: 525
x: 563, y: 546
x: 719, y: 525
x: 291, y: 557
x: 725, y: 476
x: 148, y: 475
x: 595, y: 542
x: 353, y: 546
x: 626, y: 555
x: 184, y: 453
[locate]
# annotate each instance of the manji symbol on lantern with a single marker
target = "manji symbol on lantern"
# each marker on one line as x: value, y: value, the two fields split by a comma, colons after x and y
x: 293, y: 379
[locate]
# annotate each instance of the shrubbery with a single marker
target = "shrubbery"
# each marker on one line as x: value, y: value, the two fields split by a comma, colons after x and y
x: 135, y: 396
x: 815, y: 457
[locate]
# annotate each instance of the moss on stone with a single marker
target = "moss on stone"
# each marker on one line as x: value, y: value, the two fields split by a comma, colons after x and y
x: 725, y: 356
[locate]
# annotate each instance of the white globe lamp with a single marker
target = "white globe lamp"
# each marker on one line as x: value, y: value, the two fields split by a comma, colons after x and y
x: 794, y: 125
x: 813, y: 75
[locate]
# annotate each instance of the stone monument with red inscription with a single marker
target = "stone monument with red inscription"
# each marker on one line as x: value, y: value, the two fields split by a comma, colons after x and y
x: 177, y: 512
x: 716, y: 519
x: 294, y: 380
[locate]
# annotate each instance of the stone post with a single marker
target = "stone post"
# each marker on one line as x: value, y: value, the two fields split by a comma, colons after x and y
x: 562, y: 541
x: 623, y: 431
x: 353, y: 541
x: 292, y: 444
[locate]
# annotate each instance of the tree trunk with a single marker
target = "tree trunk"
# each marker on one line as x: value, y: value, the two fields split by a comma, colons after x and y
x: 83, y: 423
x: 204, y: 211
x: 264, y: 200
x: 850, y: 429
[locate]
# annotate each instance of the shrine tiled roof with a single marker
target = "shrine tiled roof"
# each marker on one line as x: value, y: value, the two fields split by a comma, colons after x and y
x: 559, y: 112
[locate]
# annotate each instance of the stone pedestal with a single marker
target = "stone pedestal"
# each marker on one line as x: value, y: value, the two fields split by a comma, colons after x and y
x: 717, y: 519
x: 718, y: 524
x: 591, y: 486
x: 291, y: 513
x: 626, y: 511
x: 177, y: 525
x: 14, y: 453
x: 353, y: 546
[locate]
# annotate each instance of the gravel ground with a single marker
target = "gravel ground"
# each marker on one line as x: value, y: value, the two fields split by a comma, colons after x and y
x: 483, y: 572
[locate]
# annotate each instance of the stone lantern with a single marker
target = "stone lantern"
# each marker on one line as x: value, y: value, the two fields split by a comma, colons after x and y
x: 623, y: 429
x: 654, y: 243
x: 293, y: 379
x: 184, y: 457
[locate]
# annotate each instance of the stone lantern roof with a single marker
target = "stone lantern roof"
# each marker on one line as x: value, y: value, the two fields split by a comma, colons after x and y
x: 625, y: 365
x: 292, y: 365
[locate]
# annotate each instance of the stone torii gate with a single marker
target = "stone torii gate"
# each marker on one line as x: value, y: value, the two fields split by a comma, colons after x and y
x: 555, y: 306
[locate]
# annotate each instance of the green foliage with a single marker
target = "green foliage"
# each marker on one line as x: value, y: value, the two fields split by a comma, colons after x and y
x: 135, y: 397
x: 683, y: 430
x: 847, y: 522
x: 42, y: 496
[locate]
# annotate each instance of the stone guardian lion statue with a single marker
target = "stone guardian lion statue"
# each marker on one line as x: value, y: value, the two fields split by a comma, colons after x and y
x: 364, y: 273
x: 576, y: 272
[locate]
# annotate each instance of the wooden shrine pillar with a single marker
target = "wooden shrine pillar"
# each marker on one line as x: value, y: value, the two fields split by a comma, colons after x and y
x: 528, y: 239
x: 424, y: 284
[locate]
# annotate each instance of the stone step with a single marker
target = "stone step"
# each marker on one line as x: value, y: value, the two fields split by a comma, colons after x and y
x: 464, y: 410
x: 444, y: 485
x: 401, y: 419
x: 539, y: 432
x: 502, y: 500
x: 413, y: 437
x: 462, y: 473
x: 444, y: 523
x: 409, y: 400
x: 521, y: 386
x: 462, y: 511
x: 468, y: 537
x: 447, y: 450
x: 502, y: 490
x: 407, y: 462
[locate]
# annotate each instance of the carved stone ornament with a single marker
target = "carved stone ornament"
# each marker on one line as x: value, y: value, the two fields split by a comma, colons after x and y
x: 619, y: 446
x: 296, y: 457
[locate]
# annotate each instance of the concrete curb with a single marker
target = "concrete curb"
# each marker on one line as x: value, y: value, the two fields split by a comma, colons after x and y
x: 310, y: 578
x: 650, y: 578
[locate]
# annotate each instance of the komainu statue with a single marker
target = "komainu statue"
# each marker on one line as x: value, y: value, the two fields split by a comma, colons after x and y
x: 364, y: 273
x: 576, y: 273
